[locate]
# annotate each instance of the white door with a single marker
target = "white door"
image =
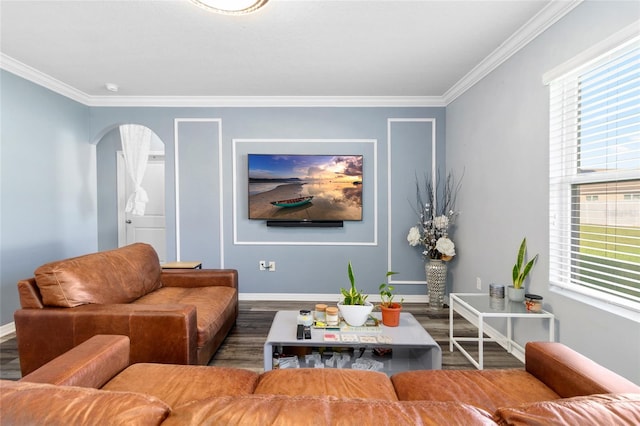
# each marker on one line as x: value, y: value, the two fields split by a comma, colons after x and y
x: 149, y: 228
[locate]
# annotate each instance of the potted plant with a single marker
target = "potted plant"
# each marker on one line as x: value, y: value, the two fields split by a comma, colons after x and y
x: 519, y: 274
x: 354, y: 306
x: 390, y: 309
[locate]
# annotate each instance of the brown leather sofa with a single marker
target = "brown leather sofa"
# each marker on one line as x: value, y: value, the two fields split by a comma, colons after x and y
x: 171, y: 316
x: 94, y: 383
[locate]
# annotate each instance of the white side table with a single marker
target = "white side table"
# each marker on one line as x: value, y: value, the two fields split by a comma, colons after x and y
x: 481, y: 306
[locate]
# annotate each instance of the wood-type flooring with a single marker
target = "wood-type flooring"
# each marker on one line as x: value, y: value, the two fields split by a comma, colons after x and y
x: 243, y: 347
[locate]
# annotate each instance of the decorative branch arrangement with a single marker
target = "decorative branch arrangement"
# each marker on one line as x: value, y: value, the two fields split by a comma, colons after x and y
x: 435, y: 216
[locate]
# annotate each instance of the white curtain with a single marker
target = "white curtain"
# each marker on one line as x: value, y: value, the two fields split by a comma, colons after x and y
x: 136, y: 141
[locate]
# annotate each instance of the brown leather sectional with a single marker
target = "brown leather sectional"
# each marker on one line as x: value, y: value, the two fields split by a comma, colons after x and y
x: 95, y: 383
x: 171, y: 316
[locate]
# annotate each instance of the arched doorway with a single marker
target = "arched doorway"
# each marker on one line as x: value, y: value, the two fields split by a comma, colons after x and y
x: 115, y: 226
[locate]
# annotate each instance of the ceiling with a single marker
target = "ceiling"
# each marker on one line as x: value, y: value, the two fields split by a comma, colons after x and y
x: 291, y: 48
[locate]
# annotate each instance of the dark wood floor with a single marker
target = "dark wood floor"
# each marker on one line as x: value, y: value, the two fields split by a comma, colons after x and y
x: 243, y: 347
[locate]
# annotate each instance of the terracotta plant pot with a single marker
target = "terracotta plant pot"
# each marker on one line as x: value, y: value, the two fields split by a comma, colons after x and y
x: 391, y: 315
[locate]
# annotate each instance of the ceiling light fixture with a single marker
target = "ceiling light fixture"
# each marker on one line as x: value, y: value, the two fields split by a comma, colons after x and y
x: 231, y: 7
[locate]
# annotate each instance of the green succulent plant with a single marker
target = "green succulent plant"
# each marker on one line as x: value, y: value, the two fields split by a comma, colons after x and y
x: 353, y: 296
x: 520, y: 269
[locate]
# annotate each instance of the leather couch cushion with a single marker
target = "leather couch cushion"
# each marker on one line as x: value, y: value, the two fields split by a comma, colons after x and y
x: 313, y: 410
x: 327, y: 382
x: 115, y: 276
x: 609, y: 409
x: 179, y: 384
x: 42, y: 404
x: 214, y: 305
x: 487, y: 389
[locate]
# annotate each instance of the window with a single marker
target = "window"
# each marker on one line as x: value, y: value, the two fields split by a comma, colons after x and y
x: 595, y: 176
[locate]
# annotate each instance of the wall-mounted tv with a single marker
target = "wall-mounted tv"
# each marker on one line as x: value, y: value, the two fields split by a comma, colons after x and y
x: 305, y: 188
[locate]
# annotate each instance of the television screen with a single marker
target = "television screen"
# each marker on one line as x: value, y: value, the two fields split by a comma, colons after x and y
x: 305, y: 187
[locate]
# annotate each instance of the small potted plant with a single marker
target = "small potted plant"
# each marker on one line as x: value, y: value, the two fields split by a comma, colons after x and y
x: 390, y: 309
x: 354, y: 306
x: 519, y: 274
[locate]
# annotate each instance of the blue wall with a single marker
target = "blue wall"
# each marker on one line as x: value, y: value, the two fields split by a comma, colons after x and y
x: 48, y: 183
x: 58, y: 197
x: 212, y: 145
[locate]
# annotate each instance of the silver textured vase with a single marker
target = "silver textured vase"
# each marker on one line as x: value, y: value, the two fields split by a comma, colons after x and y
x: 436, y: 271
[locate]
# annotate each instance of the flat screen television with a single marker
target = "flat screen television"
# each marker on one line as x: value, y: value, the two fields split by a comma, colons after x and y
x: 286, y: 188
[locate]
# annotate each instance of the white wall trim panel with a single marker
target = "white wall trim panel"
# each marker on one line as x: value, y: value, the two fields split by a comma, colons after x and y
x: 238, y: 241
x: 390, y: 121
x: 176, y: 139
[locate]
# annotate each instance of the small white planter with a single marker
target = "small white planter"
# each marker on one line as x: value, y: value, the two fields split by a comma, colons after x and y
x: 515, y: 294
x: 355, y: 315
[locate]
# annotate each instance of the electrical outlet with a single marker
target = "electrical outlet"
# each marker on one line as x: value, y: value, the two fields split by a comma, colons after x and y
x: 262, y: 265
x: 272, y: 266
x: 478, y: 283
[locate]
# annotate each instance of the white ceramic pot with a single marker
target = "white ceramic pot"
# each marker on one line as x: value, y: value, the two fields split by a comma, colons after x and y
x: 355, y: 315
x: 515, y: 294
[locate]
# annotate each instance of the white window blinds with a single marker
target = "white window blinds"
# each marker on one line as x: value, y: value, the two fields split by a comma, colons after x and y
x: 594, y: 167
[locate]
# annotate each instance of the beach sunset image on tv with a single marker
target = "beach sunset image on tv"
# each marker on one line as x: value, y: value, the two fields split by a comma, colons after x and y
x: 305, y: 187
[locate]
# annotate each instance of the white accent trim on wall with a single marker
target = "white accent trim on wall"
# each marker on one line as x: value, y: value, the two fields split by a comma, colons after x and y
x: 390, y: 121
x: 176, y: 124
x: 237, y: 241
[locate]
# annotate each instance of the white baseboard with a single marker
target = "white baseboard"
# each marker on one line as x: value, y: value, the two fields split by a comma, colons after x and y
x: 315, y: 297
x: 7, y: 329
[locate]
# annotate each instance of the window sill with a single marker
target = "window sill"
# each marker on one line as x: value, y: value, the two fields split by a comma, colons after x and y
x: 624, y: 308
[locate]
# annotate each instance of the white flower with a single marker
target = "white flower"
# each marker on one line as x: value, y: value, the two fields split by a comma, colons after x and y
x: 414, y: 236
x: 441, y: 222
x: 446, y: 246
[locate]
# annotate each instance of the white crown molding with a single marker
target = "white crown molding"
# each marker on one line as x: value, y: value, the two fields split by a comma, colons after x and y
x: 267, y: 101
x: 529, y: 31
x: 548, y: 16
x: 28, y: 73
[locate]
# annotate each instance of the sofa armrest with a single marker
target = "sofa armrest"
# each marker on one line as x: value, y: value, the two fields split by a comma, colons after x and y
x: 158, y: 333
x: 29, y: 293
x: 199, y: 277
x: 90, y: 364
x: 570, y: 373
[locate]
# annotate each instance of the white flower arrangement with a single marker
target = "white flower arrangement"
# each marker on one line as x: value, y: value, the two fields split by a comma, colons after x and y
x: 432, y: 231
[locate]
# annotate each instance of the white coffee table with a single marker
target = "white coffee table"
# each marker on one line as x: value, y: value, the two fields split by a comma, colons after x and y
x: 412, y: 347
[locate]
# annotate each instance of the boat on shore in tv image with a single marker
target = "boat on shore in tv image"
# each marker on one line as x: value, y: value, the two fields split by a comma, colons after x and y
x: 305, y: 187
